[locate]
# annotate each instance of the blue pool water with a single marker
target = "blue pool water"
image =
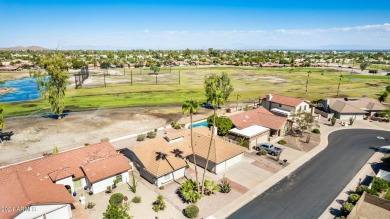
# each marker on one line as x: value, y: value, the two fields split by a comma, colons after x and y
x: 204, y: 123
x: 25, y: 89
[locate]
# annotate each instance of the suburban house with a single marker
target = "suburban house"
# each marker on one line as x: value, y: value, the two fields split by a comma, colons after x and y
x: 284, y: 105
x: 256, y: 126
x: 163, y: 160
x: 355, y: 108
x: 45, y: 183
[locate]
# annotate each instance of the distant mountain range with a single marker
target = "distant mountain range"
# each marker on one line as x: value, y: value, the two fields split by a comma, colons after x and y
x: 22, y: 48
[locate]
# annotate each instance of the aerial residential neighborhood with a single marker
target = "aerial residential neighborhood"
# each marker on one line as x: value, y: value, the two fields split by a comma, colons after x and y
x: 194, y: 109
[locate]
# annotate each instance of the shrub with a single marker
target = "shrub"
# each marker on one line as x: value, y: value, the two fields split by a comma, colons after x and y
x: 333, y: 120
x: 225, y: 185
x: 159, y: 204
x: 116, y: 199
x: 387, y: 195
x: 353, y: 198
x: 182, y: 125
x: 188, y: 191
x: 379, y: 184
x: 173, y: 124
x: 136, y: 199
x: 141, y: 137
x: 151, y: 134
x: 210, y: 187
x: 155, y: 130
x: 191, y: 211
x: 316, y: 131
x: 372, y: 192
x: 346, y: 208
x: 282, y: 142
x: 177, y: 127
x: 341, y: 217
x: 361, y: 189
x: 228, y: 110
x: 90, y: 205
x: 386, y: 159
x: 261, y: 152
x: 109, y: 189
x: 161, y: 187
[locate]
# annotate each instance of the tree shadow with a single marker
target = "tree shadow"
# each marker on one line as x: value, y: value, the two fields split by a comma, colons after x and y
x: 340, y: 201
x: 54, y: 116
x: 335, y: 212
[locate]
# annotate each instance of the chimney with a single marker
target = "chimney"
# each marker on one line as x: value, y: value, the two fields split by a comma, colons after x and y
x: 215, y: 130
x: 268, y: 97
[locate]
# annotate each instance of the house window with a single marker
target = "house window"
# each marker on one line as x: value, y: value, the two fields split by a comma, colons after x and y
x: 119, y: 177
x: 280, y: 105
x: 300, y: 108
x: 304, y: 108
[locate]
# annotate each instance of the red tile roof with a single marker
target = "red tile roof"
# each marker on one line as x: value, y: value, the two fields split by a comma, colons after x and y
x: 106, y: 167
x: 63, y: 164
x: 285, y: 100
x: 19, y: 190
x: 259, y: 116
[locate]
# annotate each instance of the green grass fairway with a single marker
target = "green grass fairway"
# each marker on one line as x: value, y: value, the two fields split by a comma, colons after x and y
x: 249, y: 82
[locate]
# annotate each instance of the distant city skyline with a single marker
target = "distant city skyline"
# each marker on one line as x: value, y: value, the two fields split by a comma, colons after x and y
x: 163, y: 24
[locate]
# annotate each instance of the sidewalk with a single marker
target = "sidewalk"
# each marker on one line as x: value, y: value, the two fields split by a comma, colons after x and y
x: 367, y: 170
x: 326, y: 129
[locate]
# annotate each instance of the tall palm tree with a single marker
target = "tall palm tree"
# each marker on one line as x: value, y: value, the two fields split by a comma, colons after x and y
x: 190, y: 107
x: 216, y: 99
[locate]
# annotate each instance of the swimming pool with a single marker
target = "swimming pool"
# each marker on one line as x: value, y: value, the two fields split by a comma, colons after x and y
x: 203, y: 123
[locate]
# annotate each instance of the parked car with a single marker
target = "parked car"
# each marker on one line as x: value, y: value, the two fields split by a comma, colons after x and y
x: 207, y: 105
x: 270, y: 148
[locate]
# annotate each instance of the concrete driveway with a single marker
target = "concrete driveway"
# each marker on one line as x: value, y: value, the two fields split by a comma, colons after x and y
x: 247, y: 174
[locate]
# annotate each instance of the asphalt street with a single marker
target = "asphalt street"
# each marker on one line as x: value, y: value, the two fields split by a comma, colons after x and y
x: 308, y: 191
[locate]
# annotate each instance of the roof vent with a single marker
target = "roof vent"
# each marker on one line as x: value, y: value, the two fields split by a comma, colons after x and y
x: 29, y: 168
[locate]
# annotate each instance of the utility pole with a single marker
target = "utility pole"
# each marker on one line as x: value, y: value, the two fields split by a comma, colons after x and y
x: 338, y: 88
x: 307, y: 80
x: 104, y: 76
x: 238, y: 95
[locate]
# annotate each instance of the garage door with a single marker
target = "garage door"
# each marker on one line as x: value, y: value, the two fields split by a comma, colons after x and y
x: 233, y: 161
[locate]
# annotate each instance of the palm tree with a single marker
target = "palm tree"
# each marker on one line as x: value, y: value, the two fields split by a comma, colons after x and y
x: 216, y: 98
x: 190, y: 107
x: 307, y: 80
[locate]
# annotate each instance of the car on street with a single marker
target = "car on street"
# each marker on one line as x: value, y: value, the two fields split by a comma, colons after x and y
x: 269, y: 147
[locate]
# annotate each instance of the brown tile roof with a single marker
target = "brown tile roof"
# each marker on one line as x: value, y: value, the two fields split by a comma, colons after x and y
x: 259, y: 116
x: 23, y: 190
x: 105, y: 167
x: 147, y: 151
x: 63, y: 164
x: 355, y: 105
x: 285, y: 100
x: 220, y: 150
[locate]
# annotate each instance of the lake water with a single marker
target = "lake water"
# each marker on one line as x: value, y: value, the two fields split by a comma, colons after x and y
x: 25, y: 89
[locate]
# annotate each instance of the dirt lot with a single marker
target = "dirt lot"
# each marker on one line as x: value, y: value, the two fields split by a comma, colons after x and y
x: 35, y: 135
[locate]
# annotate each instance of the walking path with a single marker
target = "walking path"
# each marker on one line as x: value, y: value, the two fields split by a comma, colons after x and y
x: 326, y: 129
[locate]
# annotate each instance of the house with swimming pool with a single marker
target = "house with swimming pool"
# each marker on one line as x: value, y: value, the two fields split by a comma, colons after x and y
x: 164, y: 160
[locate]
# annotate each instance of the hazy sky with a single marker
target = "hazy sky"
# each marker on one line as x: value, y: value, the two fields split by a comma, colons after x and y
x: 162, y: 24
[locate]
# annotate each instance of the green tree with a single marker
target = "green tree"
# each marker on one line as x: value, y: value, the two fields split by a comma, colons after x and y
x: 114, y: 211
x: 52, y: 84
x: 189, y: 192
x: 2, y: 123
x: 220, y: 82
x: 216, y: 97
x: 303, y: 120
x: 223, y: 124
x: 364, y: 65
x: 388, y: 88
x: 190, y: 107
x: 155, y: 68
x: 383, y: 97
